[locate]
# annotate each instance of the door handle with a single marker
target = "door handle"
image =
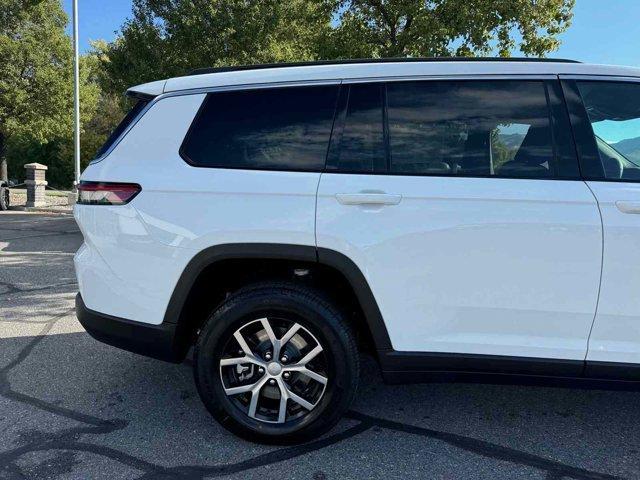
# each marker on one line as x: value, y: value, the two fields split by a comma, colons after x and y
x: 368, y: 198
x: 628, y: 207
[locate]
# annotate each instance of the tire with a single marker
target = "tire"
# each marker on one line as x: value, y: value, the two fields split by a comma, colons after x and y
x: 4, y: 198
x: 283, y: 305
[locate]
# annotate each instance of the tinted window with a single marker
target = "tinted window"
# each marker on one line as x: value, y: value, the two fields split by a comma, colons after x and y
x: 479, y: 128
x: 278, y: 128
x: 614, y: 114
x: 361, y: 145
x: 122, y: 126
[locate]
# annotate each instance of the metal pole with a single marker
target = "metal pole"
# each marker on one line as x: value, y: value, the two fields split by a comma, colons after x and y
x: 76, y: 95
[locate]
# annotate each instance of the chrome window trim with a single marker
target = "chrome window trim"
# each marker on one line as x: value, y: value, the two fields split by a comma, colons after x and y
x: 600, y: 78
x: 435, y: 78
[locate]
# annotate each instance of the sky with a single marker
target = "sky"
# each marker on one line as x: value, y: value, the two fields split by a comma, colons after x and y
x: 605, y: 32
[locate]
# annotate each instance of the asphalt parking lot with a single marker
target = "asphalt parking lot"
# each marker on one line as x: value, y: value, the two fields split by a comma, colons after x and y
x: 73, y: 408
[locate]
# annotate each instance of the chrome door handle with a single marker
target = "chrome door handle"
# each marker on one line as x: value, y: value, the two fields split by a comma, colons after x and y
x: 368, y: 198
x: 628, y: 207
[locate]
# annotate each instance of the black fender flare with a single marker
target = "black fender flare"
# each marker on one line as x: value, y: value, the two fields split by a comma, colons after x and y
x: 273, y: 251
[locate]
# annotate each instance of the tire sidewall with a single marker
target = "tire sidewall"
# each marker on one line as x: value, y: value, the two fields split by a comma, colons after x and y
x: 317, y: 317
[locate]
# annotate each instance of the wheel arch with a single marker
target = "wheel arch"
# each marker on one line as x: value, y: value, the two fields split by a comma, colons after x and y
x: 208, y: 260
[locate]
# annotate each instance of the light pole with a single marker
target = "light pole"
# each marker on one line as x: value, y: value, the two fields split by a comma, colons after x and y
x: 76, y: 96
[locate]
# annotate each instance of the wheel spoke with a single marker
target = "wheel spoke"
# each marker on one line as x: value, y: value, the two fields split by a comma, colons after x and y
x: 310, y: 356
x: 243, y: 344
x: 275, y: 343
x: 301, y: 401
x: 289, y: 334
x: 270, y: 333
x: 240, y: 389
x: 226, y: 362
x: 255, y: 395
x: 309, y: 373
x: 316, y: 376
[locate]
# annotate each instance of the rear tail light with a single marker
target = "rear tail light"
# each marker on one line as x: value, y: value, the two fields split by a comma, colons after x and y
x: 106, y: 193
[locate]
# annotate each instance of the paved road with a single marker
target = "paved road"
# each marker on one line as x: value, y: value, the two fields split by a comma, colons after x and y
x: 73, y: 408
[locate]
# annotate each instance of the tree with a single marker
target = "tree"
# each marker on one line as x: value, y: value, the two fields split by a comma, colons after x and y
x: 36, y: 81
x: 35, y: 72
x: 99, y: 113
x: 171, y: 37
x: 419, y: 28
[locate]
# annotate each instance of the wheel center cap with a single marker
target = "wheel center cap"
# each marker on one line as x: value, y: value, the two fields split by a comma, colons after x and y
x: 274, y: 368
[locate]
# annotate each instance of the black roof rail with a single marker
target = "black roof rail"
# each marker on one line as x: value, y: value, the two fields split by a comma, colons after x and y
x: 238, y: 68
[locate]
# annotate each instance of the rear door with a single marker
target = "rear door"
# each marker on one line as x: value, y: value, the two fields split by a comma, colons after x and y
x: 606, y: 119
x: 461, y: 203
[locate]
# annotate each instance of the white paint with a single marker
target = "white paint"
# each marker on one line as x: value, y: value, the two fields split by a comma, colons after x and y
x: 134, y: 254
x: 616, y: 331
x: 473, y: 265
x: 467, y: 265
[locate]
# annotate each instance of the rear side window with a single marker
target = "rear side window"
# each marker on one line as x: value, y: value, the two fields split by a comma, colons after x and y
x: 613, y: 109
x: 123, y: 125
x: 470, y: 128
x: 271, y: 129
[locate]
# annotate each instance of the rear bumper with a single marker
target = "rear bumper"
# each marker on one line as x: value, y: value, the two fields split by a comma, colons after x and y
x: 156, y: 341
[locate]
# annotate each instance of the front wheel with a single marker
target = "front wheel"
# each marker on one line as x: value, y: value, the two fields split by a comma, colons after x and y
x: 276, y: 363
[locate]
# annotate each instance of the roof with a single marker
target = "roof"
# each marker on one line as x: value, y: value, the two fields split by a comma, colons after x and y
x: 378, y: 69
x: 352, y: 61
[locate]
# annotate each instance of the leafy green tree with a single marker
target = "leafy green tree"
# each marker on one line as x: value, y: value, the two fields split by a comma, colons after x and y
x: 99, y: 113
x: 418, y: 28
x: 170, y: 37
x: 36, y: 85
x: 35, y: 72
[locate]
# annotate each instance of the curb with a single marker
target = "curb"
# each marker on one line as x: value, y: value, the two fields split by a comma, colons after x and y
x: 64, y: 210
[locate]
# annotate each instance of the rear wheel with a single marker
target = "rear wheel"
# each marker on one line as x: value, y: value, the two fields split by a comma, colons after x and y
x: 276, y: 363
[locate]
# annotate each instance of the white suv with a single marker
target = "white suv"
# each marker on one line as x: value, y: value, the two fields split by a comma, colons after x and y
x: 455, y: 218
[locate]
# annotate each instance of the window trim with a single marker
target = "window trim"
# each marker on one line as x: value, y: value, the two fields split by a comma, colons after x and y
x: 561, y: 126
x: 210, y: 93
x: 348, y: 81
x: 332, y: 162
x: 583, y: 134
x: 554, y: 124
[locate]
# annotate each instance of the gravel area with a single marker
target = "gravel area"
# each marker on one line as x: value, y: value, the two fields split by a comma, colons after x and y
x: 55, y: 200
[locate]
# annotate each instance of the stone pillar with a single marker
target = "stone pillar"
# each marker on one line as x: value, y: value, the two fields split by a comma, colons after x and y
x: 36, y: 184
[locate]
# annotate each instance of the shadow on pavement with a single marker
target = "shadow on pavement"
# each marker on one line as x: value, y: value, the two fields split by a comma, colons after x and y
x: 85, y: 398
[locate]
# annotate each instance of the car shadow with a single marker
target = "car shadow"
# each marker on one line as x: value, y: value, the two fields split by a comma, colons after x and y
x: 66, y: 393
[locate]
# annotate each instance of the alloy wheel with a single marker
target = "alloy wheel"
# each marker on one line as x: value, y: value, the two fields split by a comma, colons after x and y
x: 274, y: 370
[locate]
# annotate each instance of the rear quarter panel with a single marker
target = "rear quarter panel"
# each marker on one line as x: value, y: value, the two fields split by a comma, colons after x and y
x: 134, y: 254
